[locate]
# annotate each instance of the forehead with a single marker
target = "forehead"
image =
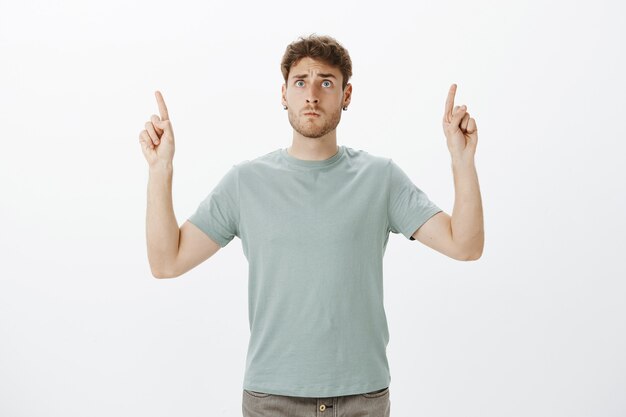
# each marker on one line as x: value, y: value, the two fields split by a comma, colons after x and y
x: 310, y: 65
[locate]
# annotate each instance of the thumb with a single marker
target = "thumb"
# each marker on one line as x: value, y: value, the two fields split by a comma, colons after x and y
x: 164, y: 125
x: 460, y: 112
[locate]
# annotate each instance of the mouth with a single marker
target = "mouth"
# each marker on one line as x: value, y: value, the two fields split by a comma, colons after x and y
x: 311, y: 114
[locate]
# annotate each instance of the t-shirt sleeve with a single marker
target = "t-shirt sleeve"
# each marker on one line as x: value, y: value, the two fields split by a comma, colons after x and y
x: 218, y: 214
x: 408, y: 206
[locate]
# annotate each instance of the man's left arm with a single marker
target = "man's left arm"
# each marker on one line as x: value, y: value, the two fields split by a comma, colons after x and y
x: 460, y: 236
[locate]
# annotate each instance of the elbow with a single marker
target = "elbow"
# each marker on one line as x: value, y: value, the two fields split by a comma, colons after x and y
x: 157, y: 274
x: 465, y: 258
x: 473, y: 256
x: 163, y: 270
x: 475, y: 250
x: 160, y: 274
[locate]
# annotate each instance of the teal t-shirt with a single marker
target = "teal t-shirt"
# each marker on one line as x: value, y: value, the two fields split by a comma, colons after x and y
x: 314, y: 234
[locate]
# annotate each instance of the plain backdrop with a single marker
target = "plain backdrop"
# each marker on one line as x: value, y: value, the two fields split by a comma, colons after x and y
x: 536, y: 327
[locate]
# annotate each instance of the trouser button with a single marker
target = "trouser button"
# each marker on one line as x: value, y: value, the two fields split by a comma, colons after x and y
x: 322, y: 407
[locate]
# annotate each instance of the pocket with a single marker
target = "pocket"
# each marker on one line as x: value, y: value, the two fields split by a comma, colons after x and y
x: 257, y: 394
x: 377, y: 393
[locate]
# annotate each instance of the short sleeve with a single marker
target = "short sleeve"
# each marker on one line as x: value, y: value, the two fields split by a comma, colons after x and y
x: 218, y: 214
x: 408, y: 206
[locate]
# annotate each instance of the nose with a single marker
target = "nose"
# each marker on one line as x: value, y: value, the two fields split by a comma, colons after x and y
x: 312, y: 95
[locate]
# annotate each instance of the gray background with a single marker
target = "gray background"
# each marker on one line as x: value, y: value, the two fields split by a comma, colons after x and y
x: 536, y: 327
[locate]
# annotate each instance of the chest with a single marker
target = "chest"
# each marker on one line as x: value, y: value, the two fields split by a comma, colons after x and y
x: 312, y: 209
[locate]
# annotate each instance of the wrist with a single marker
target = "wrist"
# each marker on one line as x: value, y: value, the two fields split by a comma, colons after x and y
x: 160, y: 168
x: 462, y: 161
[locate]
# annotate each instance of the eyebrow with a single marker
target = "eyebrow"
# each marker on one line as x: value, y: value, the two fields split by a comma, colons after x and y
x: 321, y: 76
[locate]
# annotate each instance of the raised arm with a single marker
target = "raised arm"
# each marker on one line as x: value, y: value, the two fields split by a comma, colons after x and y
x: 171, y: 251
x: 460, y: 236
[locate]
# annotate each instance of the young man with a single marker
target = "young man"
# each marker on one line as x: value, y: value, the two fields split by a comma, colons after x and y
x: 314, y: 221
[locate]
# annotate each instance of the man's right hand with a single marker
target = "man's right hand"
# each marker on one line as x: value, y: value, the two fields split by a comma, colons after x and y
x: 157, y: 139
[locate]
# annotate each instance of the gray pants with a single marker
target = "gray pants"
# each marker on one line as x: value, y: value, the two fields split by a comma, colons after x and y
x: 370, y: 404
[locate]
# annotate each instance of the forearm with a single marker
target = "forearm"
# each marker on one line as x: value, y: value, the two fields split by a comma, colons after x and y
x: 162, y: 231
x: 467, y: 215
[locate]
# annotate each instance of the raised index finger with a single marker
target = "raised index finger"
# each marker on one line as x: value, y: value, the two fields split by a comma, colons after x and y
x: 162, y: 106
x: 447, y: 114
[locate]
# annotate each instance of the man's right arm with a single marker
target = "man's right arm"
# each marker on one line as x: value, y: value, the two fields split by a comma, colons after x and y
x: 171, y: 251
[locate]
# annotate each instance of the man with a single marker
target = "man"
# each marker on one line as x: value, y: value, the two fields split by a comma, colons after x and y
x: 314, y: 221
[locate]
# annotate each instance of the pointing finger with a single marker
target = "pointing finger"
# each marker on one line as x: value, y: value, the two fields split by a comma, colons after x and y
x: 162, y: 106
x: 447, y: 114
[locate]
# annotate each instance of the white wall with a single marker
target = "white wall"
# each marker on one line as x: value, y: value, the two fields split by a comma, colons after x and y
x: 536, y: 327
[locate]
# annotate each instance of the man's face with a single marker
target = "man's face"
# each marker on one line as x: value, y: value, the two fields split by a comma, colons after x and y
x: 315, y: 87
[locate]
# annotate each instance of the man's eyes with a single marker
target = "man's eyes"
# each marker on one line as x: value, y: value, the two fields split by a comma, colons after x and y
x: 325, y: 81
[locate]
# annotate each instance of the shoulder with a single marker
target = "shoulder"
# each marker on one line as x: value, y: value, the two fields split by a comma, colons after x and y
x: 267, y: 160
x: 367, y: 159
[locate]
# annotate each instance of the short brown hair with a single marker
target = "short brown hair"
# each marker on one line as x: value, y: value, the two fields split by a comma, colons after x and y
x: 320, y: 47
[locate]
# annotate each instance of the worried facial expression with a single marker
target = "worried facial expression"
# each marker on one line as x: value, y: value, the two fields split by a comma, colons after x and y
x: 314, y: 97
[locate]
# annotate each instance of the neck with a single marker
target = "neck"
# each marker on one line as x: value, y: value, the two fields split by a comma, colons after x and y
x: 313, y: 149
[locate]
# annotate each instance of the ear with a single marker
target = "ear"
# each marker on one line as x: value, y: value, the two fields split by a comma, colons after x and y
x: 347, y: 94
x: 284, y: 94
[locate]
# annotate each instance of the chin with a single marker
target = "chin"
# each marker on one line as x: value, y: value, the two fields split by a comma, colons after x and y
x: 311, y: 135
